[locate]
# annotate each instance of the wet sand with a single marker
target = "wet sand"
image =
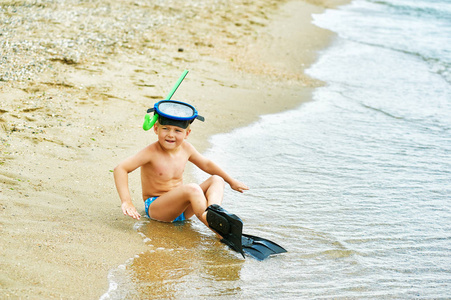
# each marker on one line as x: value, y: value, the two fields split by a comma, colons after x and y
x: 76, y: 79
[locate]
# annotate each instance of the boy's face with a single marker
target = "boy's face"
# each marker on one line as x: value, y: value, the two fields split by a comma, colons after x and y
x: 169, y: 136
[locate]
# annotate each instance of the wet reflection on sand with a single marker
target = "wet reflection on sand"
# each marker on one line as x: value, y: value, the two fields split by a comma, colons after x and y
x: 181, y: 262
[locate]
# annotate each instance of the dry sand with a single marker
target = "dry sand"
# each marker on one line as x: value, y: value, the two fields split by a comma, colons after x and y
x: 76, y: 78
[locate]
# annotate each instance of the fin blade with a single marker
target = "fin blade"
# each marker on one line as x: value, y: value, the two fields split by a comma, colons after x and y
x: 276, y: 248
x: 255, y: 254
x: 260, y: 248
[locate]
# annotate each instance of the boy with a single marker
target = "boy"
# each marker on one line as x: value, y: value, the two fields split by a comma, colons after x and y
x: 162, y: 164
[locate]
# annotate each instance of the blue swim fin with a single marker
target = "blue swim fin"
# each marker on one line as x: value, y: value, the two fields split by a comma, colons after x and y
x: 230, y: 227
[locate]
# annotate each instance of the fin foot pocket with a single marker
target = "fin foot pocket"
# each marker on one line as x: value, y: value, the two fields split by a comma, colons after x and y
x: 228, y: 225
x: 218, y: 223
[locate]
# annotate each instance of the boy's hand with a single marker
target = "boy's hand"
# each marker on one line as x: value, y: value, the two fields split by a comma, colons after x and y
x: 238, y: 186
x: 130, y: 210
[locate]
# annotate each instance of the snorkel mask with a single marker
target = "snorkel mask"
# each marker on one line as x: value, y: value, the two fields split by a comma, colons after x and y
x: 171, y: 112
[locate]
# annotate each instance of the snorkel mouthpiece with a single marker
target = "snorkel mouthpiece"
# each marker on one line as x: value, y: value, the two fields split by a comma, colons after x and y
x: 149, y: 122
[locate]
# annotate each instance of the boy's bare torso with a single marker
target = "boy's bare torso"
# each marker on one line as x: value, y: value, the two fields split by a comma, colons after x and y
x: 164, y: 169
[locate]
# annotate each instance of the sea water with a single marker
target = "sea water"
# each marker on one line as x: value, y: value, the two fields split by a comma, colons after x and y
x: 356, y: 184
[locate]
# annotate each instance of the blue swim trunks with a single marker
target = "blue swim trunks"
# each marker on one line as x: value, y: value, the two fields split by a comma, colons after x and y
x: 152, y: 199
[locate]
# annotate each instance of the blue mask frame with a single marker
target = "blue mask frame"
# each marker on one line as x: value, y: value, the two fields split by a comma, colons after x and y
x: 172, y: 112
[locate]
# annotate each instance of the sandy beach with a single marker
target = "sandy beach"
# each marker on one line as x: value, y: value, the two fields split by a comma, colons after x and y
x: 76, y: 79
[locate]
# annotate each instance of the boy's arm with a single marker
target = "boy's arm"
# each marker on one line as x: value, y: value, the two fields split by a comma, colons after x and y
x: 211, y: 168
x: 121, y: 180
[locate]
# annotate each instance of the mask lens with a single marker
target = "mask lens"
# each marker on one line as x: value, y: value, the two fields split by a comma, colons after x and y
x: 177, y: 110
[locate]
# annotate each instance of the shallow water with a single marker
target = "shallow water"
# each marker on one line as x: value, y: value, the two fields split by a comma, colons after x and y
x: 354, y: 184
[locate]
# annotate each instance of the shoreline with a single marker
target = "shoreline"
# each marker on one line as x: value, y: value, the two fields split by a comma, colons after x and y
x: 63, y: 131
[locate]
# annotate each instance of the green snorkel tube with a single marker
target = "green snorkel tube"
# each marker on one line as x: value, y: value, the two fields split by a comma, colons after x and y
x: 148, y: 121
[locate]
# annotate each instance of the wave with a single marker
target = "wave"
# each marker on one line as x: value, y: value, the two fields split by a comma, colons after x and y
x: 437, y: 10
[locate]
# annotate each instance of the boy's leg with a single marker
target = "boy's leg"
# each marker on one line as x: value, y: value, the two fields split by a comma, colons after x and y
x: 213, y: 189
x: 189, y: 199
x: 169, y: 206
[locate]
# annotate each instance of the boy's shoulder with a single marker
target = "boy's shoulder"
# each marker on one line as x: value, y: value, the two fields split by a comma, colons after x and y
x: 188, y: 147
x: 151, y: 149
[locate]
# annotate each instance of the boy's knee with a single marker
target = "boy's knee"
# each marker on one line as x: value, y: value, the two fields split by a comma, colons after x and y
x: 217, y: 180
x: 193, y: 190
